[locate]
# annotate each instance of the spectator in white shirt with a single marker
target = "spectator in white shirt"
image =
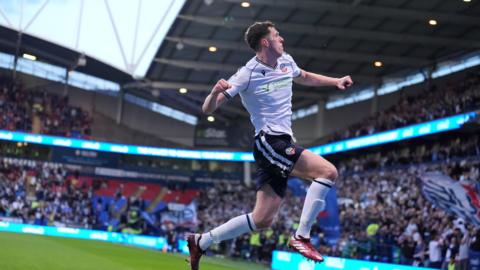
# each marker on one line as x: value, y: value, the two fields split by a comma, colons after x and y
x: 435, y: 251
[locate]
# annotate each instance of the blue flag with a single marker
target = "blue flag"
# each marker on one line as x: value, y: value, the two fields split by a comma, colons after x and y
x: 329, y: 219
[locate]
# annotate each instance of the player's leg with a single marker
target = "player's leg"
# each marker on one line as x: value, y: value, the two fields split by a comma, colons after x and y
x: 199, y: 243
x: 266, y: 208
x: 322, y: 174
x: 271, y: 187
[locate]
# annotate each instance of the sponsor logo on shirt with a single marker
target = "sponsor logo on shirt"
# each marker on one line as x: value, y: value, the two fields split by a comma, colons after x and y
x: 273, y: 86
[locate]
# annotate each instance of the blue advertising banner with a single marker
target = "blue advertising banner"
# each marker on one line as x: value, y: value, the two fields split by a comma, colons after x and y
x: 84, y: 157
x: 196, y: 179
x: 182, y: 246
x: 329, y: 219
x: 119, y: 238
x: 474, y: 260
x: 399, y: 134
x: 413, y: 131
x: 282, y: 260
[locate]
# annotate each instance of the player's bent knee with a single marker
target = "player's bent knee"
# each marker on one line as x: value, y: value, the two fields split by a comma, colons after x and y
x: 327, y: 172
x: 331, y: 173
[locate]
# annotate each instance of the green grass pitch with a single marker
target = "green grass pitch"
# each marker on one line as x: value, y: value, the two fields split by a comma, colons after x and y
x: 32, y: 252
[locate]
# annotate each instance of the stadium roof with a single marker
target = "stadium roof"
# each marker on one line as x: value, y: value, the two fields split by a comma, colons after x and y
x: 332, y: 37
x: 58, y: 55
x: 123, y: 34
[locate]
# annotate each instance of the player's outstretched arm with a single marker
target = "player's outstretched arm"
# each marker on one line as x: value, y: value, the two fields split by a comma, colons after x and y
x: 312, y: 79
x: 215, y: 99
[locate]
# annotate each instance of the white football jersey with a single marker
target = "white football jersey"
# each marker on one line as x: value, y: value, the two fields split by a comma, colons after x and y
x: 266, y: 93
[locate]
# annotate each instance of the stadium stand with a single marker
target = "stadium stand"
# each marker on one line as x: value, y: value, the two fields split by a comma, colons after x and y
x: 374, y: 191
x: 374, y: 188
x: 384, y: 216
x: 54, y: 194
x: 40, y: 112
x: 436, y: 102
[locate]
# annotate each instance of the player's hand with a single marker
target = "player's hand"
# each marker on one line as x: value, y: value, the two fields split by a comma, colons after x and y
x: 344, y: 82
x: 221, y: 86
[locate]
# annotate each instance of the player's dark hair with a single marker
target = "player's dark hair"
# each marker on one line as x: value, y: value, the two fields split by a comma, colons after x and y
x: 256, y: 32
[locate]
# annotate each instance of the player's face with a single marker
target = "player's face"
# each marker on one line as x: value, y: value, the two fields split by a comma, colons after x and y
x: 275, y: 41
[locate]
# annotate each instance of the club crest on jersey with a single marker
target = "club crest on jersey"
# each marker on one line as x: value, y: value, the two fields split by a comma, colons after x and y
x: 290, y: 151
x: 283, y: 68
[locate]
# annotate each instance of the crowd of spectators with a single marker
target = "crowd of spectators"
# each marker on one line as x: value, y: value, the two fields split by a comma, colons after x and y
x: 55, y: 194
x: 45, y: 193
x: 40, y: 112
x: 40, y: 193
x: 434, y: 103
x: 383, y: 215
x: 428, y: 152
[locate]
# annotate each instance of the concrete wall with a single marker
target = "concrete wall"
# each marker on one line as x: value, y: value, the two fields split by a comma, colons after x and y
x: 153, y: 123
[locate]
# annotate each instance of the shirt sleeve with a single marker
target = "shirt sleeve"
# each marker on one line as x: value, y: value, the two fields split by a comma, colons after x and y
x: 239, y: 82
x: 296, y: 71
